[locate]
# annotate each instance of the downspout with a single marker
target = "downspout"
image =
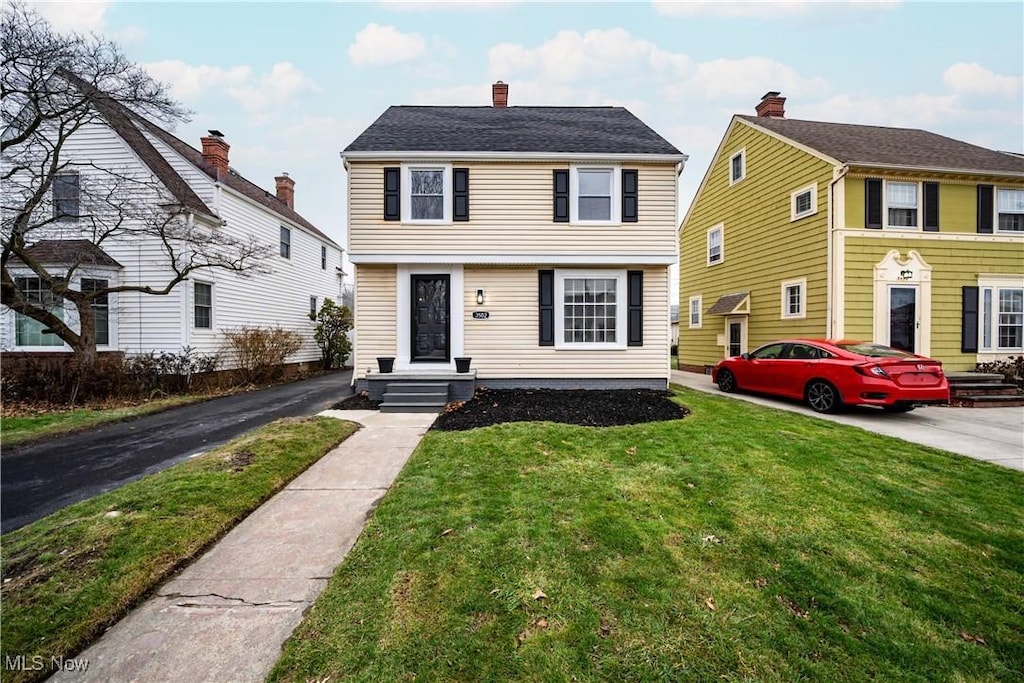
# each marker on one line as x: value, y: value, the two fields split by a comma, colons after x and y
x: 829, y: 266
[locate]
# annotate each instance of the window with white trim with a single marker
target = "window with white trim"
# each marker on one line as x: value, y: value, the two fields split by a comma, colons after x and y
x: 803, y: 202
x: 716, y: 244
x: 100, y: 309
x: 593, y: 309
x: 1002, y: 319
x: 29, y: 331
x: 66, y: 197
x: 696, y: 304
x: 794, y: 298
x: 286, y: 242
x: 738, y: 166
x: 595, y: 195
x: 323, y: 257
x: 427, y: 193
x: 1010, y: 208
x: 901, y: 200
x: 202, y: 305
x: 312, y: 307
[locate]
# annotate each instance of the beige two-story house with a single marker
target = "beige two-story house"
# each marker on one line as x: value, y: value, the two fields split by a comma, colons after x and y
x: 534, y: 240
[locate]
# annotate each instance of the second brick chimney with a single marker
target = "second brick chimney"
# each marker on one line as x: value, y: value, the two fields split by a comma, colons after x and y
x: 772, y: 105
x: 215, y: 152
x: 499, y: 94
x: 286, y: 190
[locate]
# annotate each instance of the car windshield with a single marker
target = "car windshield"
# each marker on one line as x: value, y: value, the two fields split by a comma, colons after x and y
x: 875, y: 350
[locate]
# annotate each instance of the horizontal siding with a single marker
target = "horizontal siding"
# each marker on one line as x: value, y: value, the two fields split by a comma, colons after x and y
x: 954, y: 265
x: 510, y: 208
x: 375, y: 325
x: 762, y: 246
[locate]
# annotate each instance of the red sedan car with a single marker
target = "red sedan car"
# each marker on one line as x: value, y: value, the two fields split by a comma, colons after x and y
x: 830, y: 374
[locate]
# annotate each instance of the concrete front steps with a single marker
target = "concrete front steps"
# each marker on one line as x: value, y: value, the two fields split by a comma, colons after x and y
x: 981, y: 390
x: 418, y: 390
x: 415, y: 397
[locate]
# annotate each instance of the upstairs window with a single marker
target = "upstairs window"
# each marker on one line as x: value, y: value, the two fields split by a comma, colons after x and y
x: 594, y: 196
x: 738, y: 166
x: 426, y: 194
x: 1010, y: 206
x: 323, y: 257
x: 66, y: 197
x: 901, y: 200
x: 803, y: 202
x: 29, y: 331
x: 286, y: 242
x: 716, y: 245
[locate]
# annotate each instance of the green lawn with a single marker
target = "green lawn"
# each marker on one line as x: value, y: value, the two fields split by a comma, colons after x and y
x: 68, y: 576
x: 741, y: 543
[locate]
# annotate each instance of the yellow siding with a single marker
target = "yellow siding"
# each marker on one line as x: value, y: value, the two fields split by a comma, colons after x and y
x: 505, y: 345
x: 763, y: 247
x: 955, y: 264
x: 375, y: 325
x: 510, y: 213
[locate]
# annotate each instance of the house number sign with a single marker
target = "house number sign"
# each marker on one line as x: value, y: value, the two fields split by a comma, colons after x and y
x: 481, y: 315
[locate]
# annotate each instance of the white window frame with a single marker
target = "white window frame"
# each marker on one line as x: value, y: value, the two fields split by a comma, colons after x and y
x: 800, y: 282
x: 213, y: 307
x: 620, y: 309
x: 699, y: 300
x: 111, y: 298
x: 323, y: 257
x: 407, y: 169
x: 996, y: 211
x: 994, y: 285
x: 14, y: 322
x: 742, y: 154
x: 918, y: 208
x: 720, y: 228
x: 281, y: 243
x: 574, y: 194
x: 794, y: 215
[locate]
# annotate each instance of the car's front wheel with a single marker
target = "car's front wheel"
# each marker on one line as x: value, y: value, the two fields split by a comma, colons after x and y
x: 726, y: 381
x: 822, y: 397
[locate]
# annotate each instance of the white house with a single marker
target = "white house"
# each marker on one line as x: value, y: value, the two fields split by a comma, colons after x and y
x: 201, y: 188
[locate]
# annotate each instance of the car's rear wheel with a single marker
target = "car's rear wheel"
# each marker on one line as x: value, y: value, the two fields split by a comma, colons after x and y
x: 726, y: 381
x: 822, y: 397
x: 898, y: 408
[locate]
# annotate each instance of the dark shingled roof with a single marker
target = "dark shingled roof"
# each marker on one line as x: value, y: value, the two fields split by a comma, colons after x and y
x: 126, y: 124
x: 908, y: 147
x: 579, y: 130
x: 70, y: 252
x: 728, y: 303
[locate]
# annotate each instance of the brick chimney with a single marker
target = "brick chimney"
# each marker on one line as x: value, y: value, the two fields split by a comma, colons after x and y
x: 215, y: 152
x: 499, y: 94
x: 772, y: 106
x: 286, y: 190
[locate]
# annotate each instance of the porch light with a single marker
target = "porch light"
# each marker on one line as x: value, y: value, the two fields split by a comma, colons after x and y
x: 480, y: 296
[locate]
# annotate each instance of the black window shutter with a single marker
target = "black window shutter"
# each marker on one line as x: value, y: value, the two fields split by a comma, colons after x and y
x: 985, y: 208
x: 460, y: 194
x: 931, y: 207
x: 969, y: 321
x: 546, y: 301
x: 630, y: 195
x: 561, y: 192
x: 392, y: 193
x: 635, y: 309
x: 873, y: 203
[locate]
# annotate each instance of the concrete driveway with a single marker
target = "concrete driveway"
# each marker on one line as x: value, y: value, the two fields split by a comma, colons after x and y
x: 994, y: 435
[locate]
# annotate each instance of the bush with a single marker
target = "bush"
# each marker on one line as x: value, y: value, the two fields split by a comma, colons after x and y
x: 1012, y: 370
x: 172, y: 373
x: 333, y: 324
x: 260, y: 352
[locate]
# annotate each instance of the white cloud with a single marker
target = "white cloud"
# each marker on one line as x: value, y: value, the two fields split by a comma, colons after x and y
x: 376, y: 45
x: 761, y: 9
x: 81, y: 17
x: 919, y: 110
x: 750, y: 78
x: 284, y: 82
x: 973, y: 78
x: 188, y: 82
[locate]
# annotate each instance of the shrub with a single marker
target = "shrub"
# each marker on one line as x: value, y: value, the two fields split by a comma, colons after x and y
x: 1012, y: 370
x: 260, y: 352
x: 333, y: 324
x: 171, y: 373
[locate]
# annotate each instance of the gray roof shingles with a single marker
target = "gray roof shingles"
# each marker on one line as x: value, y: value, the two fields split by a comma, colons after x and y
x: 728, y: 303
x: 70, y: 252
x: 567, y: 130
x: 903, y: 147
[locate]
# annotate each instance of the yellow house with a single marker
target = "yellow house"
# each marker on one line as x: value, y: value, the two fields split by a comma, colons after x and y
x: 899, y: 236
x: 535, y: 241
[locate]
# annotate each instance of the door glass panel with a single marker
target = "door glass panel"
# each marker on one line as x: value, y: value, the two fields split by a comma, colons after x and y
x: 903, y: 318
x: 430, y: 318
x: 735, y: 339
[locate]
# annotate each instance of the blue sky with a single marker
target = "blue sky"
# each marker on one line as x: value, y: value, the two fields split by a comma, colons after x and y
x: 291, y: 84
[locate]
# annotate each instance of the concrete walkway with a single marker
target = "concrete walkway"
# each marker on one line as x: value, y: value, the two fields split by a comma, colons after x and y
x: 225, y: 617
x: 993, y: 435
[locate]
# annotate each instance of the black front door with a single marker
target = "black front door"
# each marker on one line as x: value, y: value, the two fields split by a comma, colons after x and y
x: 903, y: 318
x: 430, y: 318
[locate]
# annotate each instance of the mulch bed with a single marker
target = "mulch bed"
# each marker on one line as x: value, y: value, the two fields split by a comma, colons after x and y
x: 588, y: 408
x: 359, y: 401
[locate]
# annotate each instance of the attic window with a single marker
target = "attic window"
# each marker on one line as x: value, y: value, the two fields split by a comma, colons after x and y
x: 66, y: 196
x: 738, y: 167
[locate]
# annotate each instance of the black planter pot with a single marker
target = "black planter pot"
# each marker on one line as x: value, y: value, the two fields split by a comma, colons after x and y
x: 462, y: 364
x: 385, y: 364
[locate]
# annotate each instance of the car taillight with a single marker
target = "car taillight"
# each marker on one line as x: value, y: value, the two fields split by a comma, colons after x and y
x: 871, y: 370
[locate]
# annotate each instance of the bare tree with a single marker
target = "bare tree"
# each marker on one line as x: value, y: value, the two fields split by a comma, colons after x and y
x: 61, y: 207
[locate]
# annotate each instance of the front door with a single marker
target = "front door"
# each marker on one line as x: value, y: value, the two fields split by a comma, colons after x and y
x: 903, y: 318
x: 431, y: 326
x: 735, y: 346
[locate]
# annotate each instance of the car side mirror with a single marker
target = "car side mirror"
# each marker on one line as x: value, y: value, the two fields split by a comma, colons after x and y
x: 745, y: 356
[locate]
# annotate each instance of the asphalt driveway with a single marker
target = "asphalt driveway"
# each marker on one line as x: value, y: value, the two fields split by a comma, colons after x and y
x: 38, y: 479
x: 994, y: 435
